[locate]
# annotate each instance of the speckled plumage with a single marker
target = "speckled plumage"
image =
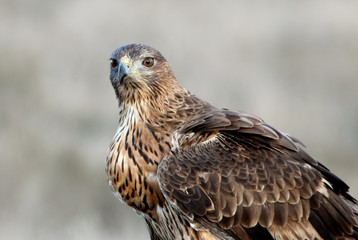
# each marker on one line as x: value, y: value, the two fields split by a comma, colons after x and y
x: 194, y: 171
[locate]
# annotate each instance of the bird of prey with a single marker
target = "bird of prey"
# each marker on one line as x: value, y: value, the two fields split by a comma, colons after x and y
x: 194, y: 171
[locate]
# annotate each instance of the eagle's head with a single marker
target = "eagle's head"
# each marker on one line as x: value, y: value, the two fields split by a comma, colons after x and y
x: 139, y: 71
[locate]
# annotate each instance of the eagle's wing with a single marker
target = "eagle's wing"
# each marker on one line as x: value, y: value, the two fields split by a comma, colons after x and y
x: 231, y: 172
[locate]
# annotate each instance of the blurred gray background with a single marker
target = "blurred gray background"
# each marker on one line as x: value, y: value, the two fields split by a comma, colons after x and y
x: 293, y: 63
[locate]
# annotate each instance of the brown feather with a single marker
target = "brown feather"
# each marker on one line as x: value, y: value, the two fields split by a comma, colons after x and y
x: 251, y: 215
x: 294, y: 196
x: 267, y: 214
x: 295, y: 211
x: 229, y: 205
x: 281, y: 214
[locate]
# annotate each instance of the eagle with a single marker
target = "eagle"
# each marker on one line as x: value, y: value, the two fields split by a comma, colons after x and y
x: 195, y: 171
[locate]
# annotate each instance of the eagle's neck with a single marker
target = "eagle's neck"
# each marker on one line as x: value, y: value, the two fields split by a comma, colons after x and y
x: 158, y: 105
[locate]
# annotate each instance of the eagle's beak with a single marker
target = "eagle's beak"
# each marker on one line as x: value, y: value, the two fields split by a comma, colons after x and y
x: 119, y: 73
x: 123, y: 71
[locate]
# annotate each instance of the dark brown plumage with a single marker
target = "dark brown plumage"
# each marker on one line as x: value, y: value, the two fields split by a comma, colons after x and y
x: 194, y: 171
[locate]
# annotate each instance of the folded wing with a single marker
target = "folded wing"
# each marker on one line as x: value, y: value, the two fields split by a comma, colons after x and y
x: 232, y: 172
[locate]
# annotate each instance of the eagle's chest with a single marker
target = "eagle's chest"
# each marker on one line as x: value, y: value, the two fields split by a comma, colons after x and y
x: 131, y: 166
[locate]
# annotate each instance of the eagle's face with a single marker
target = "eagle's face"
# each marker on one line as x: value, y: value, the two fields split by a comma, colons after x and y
x: 136, y: 66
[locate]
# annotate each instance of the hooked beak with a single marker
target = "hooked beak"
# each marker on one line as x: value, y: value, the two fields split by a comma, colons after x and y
x: 123, y: 71
x: 119, y: 73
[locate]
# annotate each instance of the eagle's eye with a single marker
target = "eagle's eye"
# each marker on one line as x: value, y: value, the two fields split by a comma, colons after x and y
x: 148, y: 62
x: 114, y: 62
